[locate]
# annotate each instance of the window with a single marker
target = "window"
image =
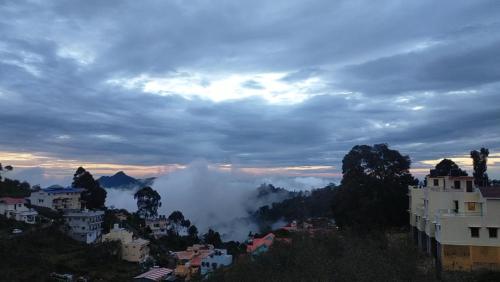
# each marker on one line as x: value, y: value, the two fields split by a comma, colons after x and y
x: 469, y: 186
x: 474, y: 232
x: 493, y: 231
x: 457, y: 184
x: 471, y: 206
x: 436, y: 182
x: 455, y: 203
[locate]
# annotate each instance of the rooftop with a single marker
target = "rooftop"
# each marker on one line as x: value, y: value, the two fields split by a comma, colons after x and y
x: 55, y: 189
x: 155, y: 274
x: 12, y: 201
x: 490, y: 192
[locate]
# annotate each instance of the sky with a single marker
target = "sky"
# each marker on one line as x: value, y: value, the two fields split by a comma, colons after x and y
x: 269, y: 88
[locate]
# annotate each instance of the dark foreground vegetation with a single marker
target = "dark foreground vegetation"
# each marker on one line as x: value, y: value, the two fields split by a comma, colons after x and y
x: 35, y: 254
x: 342, y: 256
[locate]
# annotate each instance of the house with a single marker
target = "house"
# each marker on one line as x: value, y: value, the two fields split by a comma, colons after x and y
x: 260, y: 245
x: 189, y: 261
x: 218, y: 258
x: 133, y: 249
x: 84, y: 225
x: 16, y: 208
x: 57, y: 198
x: 156, y: 274
x: 457, y: 222
x: 158, y: 226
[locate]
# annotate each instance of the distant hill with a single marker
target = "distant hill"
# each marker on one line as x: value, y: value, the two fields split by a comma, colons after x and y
x: 124, y: 181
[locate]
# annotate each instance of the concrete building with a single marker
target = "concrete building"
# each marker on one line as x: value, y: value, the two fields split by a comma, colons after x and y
x: 156, y: 274
x: 158, y: 226
x: 218, y: 258
x: 189, y: 261
x: 457, y: 222
x: 84, y: 225
x: 57, y: 198
x: 133, y: 249
x: 16, y: 208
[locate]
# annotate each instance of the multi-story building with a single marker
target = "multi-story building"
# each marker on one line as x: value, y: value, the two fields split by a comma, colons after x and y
x: 84, y: 225
x: 133, y: 249
x: 218, y: 258
x: 159, y: 226
x: 57, y: 198
x: 258, y: 246
x: 16, y: 208
x: 457, y: 222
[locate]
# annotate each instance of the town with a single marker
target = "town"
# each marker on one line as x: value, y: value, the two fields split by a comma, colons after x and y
x: 453, y: 220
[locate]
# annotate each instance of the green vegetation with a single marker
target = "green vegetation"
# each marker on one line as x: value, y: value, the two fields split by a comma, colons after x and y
x: 148, y: 202
x: 36, y: 253
x: 299, y: 207
x: 12, y: 188
x: 373, y: 192
x: 94, y: 196
x: 480, y: 164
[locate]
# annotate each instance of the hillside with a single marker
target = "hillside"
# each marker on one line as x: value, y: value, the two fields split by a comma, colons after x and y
x: 122, y: 180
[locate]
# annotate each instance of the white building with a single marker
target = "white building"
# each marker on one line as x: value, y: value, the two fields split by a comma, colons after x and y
x: 57, y: 198
x: 158, y: 226
x: 16, y: 208
x: 84, y: 226
x: 457, y: 222
x: 218, y: 258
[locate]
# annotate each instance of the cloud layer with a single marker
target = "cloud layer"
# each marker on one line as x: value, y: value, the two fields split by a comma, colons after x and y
x: 254, y: 83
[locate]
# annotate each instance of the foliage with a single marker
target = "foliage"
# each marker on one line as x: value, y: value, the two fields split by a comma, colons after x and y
x: 176, y: 216
x: 14, y: 188
x: 34, y: 255
x: 480, y: 164
x: 300, y: 207
x: 4, y: 168
x: 148, y: 202
x: 212, y: 237
x: 447, y: 167
x: 374, y: 188
x: 332, y: 257
x: 94, y: 196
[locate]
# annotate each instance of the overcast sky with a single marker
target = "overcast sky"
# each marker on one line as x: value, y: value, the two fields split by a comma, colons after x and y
x: 271, y: 87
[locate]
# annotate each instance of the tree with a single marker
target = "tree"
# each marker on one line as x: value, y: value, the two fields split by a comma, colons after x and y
x: 374, y: 188
x: 447, y: 167
x: 176, y: 217
x: 193, y: 231
x: 212, y: 237
x: 4, y: 168
x: 480, y: 164
x: 148, y: 202
x: 93, y: 196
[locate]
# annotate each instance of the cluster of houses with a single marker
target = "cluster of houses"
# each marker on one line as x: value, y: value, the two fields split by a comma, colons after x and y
x: 457, y: 222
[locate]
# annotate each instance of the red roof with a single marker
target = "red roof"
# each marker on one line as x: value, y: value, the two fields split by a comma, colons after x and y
x: 12, y: 201
x: 155, y: 274
x: 258, y: 242
x: 490, y: 192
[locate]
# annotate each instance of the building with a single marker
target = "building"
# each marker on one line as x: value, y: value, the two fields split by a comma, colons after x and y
x: 218, y: 258
x: 16, y: 208
x: 84, y: 225
x: 189, y: 261
x: 133, y: 249
x: 57, y: 198
x: 159, y: 226
x: 260, y: 245
x: 156, y: 274
x: 457, y: 222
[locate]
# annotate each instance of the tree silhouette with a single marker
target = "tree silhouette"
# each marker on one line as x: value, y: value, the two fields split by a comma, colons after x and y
x: 93, y: 196
x: 148, y: 202
x: 480, y: 164
x: 447, y: 167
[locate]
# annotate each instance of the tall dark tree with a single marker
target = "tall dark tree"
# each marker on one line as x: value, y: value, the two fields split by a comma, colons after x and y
x: 447, y: 167
x: 193, y: 231
x: 212, y: 237
x: 148, y: 202
x: 176, y: 217
x: 4, y: 168
x: 480, y: 164
x: 93, y: 196
x: 374, y: 188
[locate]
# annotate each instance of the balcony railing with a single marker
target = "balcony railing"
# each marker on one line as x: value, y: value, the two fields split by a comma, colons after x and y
x: 453, y: 212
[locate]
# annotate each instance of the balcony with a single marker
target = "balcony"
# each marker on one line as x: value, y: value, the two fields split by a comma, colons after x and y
x: 453, y: 212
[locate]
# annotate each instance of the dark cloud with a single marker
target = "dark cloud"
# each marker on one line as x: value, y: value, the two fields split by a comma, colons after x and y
x: 420, y: 76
